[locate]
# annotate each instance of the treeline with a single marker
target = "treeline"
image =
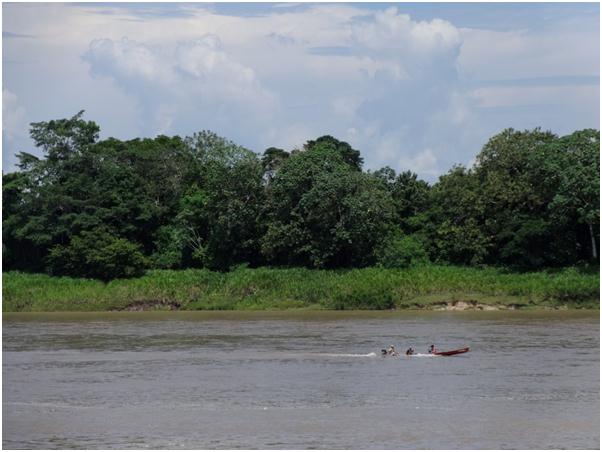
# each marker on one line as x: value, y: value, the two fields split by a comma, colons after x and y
x: 111, y: 208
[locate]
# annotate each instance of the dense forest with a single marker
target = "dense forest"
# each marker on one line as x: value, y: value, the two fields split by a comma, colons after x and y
x: 109, y: 208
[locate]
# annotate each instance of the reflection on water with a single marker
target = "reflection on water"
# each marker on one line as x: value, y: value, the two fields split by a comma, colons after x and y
x: 300, y: 380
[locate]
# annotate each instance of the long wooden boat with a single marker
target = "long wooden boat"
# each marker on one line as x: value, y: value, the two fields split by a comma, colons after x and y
x: 453, y: 352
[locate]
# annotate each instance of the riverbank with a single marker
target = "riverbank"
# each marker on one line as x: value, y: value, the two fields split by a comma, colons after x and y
x: 431, y: 287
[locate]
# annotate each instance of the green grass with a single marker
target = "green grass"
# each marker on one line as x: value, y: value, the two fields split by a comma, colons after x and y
x: 300, y: 288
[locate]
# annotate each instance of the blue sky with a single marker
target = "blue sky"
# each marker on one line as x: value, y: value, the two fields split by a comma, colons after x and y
x: 414, y: 86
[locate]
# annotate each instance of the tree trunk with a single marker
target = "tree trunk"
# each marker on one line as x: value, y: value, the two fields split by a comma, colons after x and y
x: 593, y: 237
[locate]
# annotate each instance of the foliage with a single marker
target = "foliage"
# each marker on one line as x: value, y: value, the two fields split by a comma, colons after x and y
x: 577, y: 167
x: 531, y: 201
x: 220, y: 211
x: 272, y: 160
x: 410, y: 197
x: 324, y: 213
x: 514, y: 195
x: 61, y: 138
x: 349, y: 155
x: 97, y: 254
x: 400, y: 251
x: 456, y: 219
x: 169, y: 248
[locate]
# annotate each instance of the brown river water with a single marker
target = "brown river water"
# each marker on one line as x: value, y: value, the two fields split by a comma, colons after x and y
x: 261, y: 380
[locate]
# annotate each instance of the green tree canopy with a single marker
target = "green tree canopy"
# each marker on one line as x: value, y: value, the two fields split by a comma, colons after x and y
x: 111, y: 208
x: 516, y: 190
x: 220, y: 213
x: 576, y: 162
x: 349, y: 155
x: 323, y: 212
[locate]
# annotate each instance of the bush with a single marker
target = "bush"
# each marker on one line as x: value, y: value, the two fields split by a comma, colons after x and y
x: 97, y: 254
x: 400, y: 251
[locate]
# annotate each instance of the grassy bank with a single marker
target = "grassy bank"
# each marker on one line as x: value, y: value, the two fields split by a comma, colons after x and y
x: 267, y: 288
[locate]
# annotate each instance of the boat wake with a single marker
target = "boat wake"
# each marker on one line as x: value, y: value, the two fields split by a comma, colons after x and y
x: 373, y: 355
x: 366, y: 355
x: 352, y: 355
x: 347, y: 355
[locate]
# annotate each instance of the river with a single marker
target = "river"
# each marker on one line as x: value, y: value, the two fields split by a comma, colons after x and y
x: 261, y: 380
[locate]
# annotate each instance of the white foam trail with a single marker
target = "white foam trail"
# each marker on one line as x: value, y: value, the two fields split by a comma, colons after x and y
x: 351, y: 355
x: 346, y: 355
x: 422, y: 355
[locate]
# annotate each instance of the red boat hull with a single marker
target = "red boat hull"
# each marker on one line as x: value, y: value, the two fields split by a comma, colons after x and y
x: 453, y: 352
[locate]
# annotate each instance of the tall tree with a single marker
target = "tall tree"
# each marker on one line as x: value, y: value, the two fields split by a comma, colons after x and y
x: 45, y: 195
x: 515, y: 199
x: 220, y: 212
x: 349, y: 155
x: 455, y: 222
x: 323, y: 212
x: 61, y: 138
x: 577, y: 163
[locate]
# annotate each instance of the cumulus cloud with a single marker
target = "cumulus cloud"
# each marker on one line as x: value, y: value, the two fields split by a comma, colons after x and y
x: 199, y: 66
x: 335, y: 91
x: 179, y: 77
x: 213, y: 71
x: 393, y: 33
x: 128, y: 62
x: 411, y: 94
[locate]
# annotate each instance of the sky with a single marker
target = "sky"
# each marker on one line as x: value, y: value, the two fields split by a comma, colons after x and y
x: 413, y: 86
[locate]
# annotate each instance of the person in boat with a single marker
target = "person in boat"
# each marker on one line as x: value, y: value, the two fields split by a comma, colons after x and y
x: 391, y: 351
x: 432, y: 349
x: 410, y: 351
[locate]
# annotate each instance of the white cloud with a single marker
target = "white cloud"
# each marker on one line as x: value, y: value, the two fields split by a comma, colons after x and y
x: 164, y: 118
x: 424, y: 162
x: 521, y: 96
x: 291, y: 136
x: 127, y: 60
x: 520, y: 54
x: 177, y: 78
x: 286, y: 5
x: 14, y: 123
x: 398, y: 36
x: 198, y: 66
x: 346, y: 107
x: 378, y: 78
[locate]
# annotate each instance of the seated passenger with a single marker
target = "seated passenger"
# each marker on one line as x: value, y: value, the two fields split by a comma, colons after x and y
x: 391, y: 351
x: 410, y: 351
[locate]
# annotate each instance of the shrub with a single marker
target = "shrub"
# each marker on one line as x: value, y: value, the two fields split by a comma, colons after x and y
x: 400, y: 251
x: 97, y: 254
